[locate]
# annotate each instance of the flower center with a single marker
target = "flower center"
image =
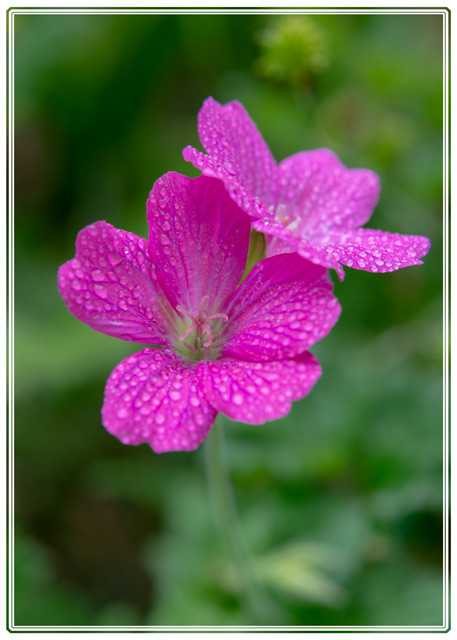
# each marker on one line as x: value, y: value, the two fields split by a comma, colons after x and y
x: 285, y: 219
x: 204, y: 337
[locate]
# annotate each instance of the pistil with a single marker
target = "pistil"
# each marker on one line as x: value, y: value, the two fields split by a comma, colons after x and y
x: 201, y: 324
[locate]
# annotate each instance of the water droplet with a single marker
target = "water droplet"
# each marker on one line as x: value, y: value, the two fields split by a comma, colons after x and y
x: 175, y: 395
x: 97, y: 275
x: 114, y: 259
x: 237, y: 399
x: 122, y: 413
x: 160, y: 418
x: 101, y: 291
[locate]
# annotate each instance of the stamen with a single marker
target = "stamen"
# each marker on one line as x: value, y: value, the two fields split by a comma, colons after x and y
x: 190, y: 347
x: 201, y: 324
x: 186, y: 332
x: 207, y: 329
x: 293, y: 225
x: 202, y: 302
x: 217, y: 315
x: 181, y: 310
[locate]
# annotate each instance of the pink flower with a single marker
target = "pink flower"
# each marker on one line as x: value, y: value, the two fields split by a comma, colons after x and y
x: 309, y: 202
x: 240, y: 349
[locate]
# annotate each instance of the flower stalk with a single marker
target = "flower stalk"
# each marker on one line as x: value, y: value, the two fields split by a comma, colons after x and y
x: 225, y: 513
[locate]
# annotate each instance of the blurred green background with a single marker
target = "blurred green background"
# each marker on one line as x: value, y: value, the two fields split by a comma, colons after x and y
x: 340, y: 502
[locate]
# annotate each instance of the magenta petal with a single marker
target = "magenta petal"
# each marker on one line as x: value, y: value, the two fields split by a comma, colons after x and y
x: 230, y: 136
x: 199, y: 240
x: 110, y: 286
x: 373, y: 250
x: 282, y: 240
x: 152, y: 397
x: 237, y: 155
x: 255, y: 392
x: 315, y: 192
x: 284, y: 305
x: 210, y: 167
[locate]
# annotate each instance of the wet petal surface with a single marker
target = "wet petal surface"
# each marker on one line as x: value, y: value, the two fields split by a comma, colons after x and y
x: 154, y: 397
x: 284, y: 305
x: 199, y: 240
x: 375, y: 251
x: 232, y: 140
x: 110, y: 285
x: 255, y: 392
x: 281, y: 240
x: 317, y: 191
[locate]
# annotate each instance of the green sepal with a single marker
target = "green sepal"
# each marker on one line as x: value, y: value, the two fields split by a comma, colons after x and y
x: 256, y: 251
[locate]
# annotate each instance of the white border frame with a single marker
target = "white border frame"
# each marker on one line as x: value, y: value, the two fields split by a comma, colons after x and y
x: 327, y: 630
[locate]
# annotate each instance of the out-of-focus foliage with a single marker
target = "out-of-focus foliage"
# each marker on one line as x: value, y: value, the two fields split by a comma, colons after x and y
x: 340, y: 502
x: 294, y: 48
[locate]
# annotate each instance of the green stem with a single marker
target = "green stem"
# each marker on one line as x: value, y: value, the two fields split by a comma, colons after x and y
x: 226, y: 516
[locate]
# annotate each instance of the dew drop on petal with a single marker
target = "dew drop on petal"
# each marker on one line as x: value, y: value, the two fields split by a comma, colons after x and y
x: 237, y: 399
x: 101, y: 291
x: 97, y: 275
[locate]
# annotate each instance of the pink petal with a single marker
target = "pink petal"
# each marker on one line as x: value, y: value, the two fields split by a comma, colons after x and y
x: 282, y: 240
x: 110, y: 285
x: 237, y: 155
x: 155, y: 398
x: 199, y: 240
x: 284, y: 305
x: 255, y: 392
x: 230, y: 137
x: 315, y: 192
x: 376, y: 251
x: 239, y: 194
